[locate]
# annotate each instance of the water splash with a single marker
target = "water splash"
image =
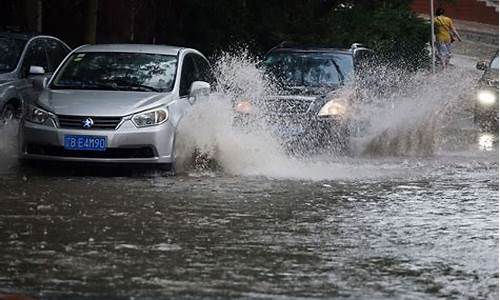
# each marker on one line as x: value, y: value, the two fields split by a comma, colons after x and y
x: 404, y: 117
x: 8, y: 146
x: 408, y: 120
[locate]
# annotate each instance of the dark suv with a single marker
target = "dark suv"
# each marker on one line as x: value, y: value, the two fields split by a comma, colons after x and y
x: 311, y: 111
x: 26, y: 60
x: 486, y: 104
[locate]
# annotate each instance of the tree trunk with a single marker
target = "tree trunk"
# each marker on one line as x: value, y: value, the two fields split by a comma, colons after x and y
x: 91, y: 21
x: 133, y: 11
x: 38, y: 15
x: 32, y: 15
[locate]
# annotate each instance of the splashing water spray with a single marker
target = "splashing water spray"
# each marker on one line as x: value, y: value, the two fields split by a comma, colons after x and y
x: 8, y: 145
x: 403, y: 116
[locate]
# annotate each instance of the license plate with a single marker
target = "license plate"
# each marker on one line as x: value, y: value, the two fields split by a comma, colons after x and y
x: 85, y: 142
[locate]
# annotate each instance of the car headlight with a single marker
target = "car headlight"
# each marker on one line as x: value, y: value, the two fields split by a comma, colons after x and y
x: 37, y: 115
x: 486, y: 97
x: 151, y: 117
x: 244, y: 107
x: 333, y: 108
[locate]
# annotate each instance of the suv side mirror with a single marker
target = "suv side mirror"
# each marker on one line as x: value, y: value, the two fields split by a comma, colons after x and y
x: 36, y: 70
x: 482, y: 65
x: 199, y: 88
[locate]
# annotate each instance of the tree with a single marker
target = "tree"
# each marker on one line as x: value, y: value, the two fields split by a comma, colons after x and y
x: 91, y: 21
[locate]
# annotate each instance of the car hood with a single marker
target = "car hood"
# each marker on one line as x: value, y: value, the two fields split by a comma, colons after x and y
x: 100, y: 103
x: 310, y: 91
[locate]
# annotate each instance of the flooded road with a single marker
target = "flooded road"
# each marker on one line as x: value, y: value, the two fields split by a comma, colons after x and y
x: 416, y: 217
x: 428, y: 231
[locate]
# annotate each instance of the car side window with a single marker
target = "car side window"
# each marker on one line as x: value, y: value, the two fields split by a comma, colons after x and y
x: 188, y: 75
x: 56, y: 52
x: 204, y: 70
x: 35, y: 56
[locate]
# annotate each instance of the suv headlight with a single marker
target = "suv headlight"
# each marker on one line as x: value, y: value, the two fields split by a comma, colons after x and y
x: 37, y: 115
x: 244, y: 107
x: 333, y: 108
x: 152, y: 117
x: 486, y: 97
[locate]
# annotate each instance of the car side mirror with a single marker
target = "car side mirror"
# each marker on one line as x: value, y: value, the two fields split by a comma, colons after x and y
x: 199, y: 88
x: 36, y: 70
x: 40, y: 82
x: 482, y: 65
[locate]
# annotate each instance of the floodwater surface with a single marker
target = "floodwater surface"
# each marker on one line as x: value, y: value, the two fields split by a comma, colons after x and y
x: 412, y: 214
x: 427, y: 233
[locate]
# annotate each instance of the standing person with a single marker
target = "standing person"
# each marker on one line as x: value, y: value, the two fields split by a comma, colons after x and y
x: 446, y: 34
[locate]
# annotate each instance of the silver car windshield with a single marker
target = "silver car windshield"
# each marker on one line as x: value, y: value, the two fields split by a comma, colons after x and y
x: 10, y: 52
x: 117, y: 71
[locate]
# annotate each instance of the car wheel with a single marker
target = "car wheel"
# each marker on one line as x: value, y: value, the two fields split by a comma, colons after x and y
x: 9, y: 113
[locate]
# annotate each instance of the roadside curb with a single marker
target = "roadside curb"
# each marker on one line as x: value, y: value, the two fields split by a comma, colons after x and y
x: 483, y: 37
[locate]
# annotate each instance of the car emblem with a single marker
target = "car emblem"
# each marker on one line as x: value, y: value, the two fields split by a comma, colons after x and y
x: 88, y: 123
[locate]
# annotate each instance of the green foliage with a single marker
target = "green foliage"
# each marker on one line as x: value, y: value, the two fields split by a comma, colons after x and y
x: 396, y: 33
x: 388, y: 26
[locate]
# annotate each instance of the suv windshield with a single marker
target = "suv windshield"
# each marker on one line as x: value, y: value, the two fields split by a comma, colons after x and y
x: 10, y: 52
x: 117, y: 71
x: 310, y: 69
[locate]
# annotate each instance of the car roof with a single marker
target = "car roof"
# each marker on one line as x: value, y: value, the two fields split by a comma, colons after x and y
x: 131, y: 48
x: 312, y: 50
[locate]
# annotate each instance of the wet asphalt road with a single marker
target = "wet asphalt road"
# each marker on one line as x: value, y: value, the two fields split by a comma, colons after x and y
x: 426, y: 233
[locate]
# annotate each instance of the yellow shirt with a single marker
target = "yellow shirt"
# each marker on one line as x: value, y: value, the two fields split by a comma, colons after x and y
x: 443, y: 27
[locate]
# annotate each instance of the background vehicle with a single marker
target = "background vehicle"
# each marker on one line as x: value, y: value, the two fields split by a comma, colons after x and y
x: 310, y: 113
x: 25, y: 62
x: 115, y: 104
x: 486, y: 104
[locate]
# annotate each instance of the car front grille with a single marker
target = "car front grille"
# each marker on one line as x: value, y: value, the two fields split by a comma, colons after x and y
x: 117, y: 153
x: 287, y: 106
x: 100, y: 123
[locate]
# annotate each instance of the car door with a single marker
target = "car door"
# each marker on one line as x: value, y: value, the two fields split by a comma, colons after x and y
x: 29, y: 85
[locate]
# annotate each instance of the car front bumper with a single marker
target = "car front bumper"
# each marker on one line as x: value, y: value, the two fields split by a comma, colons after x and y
x: 127, y: 144
x: 298, y: 129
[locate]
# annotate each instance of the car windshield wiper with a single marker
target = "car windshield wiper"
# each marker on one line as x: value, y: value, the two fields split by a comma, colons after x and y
x: 121, y: 82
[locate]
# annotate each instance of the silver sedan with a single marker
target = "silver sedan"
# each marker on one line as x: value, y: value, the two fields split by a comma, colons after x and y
x: 26, y: 61
x: 115, y: 104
